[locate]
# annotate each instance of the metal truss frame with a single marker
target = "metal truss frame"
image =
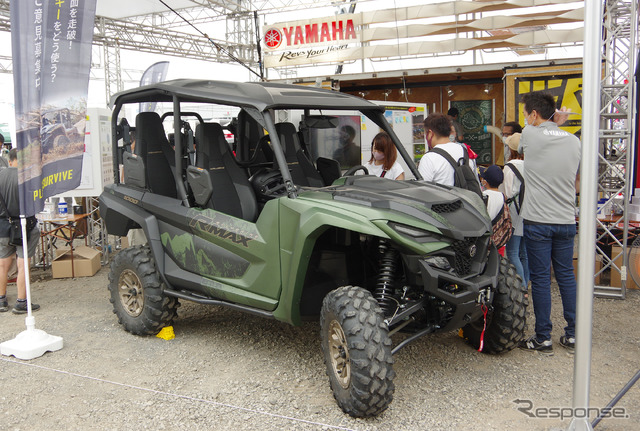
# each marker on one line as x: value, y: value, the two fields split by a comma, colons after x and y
x: 621, y: 30
x: 112, y: 74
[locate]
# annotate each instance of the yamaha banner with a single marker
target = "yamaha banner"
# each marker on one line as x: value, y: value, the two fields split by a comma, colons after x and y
x: 155, y: 73
x: 51, y: 45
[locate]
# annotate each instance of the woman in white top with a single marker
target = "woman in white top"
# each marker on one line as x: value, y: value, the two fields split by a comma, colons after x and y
x: 516, y: 250
x: 383, y: 158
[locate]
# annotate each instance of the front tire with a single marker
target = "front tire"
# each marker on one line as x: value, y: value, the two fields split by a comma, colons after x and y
x: 136, y: 293
x: 506, y: 323
x: 357, y: 351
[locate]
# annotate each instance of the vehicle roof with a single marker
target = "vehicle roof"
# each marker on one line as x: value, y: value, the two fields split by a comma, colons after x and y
x: 260, y: 95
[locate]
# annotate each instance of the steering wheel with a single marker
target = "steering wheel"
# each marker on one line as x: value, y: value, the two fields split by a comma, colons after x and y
x: 268, y: 183
x: 355, y: 169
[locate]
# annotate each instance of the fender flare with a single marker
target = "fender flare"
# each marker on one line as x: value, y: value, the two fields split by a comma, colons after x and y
x: 114, y: 211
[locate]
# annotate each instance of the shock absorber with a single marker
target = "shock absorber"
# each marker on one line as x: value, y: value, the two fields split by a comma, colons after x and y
x: 384, y: 286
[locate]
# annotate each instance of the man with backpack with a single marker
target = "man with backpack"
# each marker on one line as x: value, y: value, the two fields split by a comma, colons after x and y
x: 446, y: 162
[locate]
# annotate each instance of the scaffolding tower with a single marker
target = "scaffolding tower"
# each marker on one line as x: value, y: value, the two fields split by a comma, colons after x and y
x: 616, y: 141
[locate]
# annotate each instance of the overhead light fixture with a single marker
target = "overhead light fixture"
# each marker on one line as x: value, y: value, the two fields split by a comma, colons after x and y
x: 487, y: 88
x: 363, y: 93
x: 450, y: 92
x: 386, y: 94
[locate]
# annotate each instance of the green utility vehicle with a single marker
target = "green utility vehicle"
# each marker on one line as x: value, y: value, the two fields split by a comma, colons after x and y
x: 271, y: 225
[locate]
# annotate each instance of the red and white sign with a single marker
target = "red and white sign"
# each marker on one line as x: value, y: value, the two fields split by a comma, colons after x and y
x: 272, y: 38
x: 297, y: 35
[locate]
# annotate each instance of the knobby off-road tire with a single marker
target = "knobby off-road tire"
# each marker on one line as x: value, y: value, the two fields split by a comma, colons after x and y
x: 506, y: 323
x: 136, y: 293
x: 357, y: 351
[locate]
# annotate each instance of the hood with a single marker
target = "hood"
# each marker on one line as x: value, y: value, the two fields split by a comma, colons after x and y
x: 455, y: 212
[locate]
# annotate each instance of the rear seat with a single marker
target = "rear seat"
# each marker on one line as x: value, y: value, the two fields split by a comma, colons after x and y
x: 232, y: 192
x: 158, y: 156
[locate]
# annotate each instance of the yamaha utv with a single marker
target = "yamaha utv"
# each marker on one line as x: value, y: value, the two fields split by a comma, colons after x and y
x: 272, y: 225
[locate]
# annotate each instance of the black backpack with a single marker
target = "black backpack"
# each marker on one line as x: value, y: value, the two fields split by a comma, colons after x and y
x: 463, y: 177
x: 520, y: 194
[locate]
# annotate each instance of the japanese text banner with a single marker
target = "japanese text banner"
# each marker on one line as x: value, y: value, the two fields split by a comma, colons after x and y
x: 51, y: 46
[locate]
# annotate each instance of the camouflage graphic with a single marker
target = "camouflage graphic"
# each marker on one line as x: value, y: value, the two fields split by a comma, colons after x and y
x: 196, y: 255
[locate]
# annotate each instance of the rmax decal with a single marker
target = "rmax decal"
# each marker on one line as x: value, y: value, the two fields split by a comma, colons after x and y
x: 207, y: 224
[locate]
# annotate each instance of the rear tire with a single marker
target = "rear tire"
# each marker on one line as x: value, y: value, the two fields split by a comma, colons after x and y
x: 357, y: 351
x: 506, y: 323
x: 137, y: 293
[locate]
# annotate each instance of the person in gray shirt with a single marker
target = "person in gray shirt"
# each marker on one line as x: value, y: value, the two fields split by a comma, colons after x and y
x: 10, y: 193
x: 551, y: 163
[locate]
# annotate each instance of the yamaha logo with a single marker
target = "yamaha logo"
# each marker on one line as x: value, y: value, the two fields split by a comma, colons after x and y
x: 273, y: 38
x: 472, y: 250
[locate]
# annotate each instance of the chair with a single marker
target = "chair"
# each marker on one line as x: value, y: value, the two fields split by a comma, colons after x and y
x: 158, y: 156
x: 248, y: 133
x: 232, y: 193
x: 329, y: 170
x: 302, y: 170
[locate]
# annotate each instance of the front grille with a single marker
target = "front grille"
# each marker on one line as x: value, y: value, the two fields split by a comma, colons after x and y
x: 462, y: 259
x: 446, y: 208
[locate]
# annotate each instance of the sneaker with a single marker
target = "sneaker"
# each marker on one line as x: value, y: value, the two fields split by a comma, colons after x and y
x: 4, y: 306
x: 21, y: 307
x: 533, y: 345
x: 568, y: 343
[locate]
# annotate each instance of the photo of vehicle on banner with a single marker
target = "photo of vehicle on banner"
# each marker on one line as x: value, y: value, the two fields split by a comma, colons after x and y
x: 318, y: 40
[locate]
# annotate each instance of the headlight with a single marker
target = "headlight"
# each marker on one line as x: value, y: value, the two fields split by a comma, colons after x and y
x: 438, y: 262
x: 418, y: 235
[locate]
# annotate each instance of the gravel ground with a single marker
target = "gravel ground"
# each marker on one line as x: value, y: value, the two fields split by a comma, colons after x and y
x: 231, y: 371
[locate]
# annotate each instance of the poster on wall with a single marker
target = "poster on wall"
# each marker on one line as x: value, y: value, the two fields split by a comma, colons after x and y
x: 474, y: 115
x: 97, y: 162
x: 567, y: 90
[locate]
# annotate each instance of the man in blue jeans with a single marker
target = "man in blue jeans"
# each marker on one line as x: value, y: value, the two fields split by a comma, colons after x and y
x: 551, y: 163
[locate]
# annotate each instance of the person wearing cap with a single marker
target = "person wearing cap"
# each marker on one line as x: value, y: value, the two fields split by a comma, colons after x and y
x: 491, y: 178
x: 551, y: 163
x: 512, y: 188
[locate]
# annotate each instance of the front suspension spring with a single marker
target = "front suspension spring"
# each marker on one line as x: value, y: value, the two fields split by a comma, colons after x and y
x: 384, y: 286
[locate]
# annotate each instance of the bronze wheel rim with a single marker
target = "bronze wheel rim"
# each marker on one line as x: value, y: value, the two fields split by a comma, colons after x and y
x: 339, y: 354
x: 131, y: 294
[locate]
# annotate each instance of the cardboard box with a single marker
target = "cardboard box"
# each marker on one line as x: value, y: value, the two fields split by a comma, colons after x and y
x: 86, y: 262
x: 615, y: 274
x: 598, y: 267
x: 124, y: 242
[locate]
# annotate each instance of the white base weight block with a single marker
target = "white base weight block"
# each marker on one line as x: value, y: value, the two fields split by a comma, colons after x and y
x: 31, y: 343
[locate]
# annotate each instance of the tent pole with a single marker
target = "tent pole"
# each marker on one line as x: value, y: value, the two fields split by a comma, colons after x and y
x: 588, y: 199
